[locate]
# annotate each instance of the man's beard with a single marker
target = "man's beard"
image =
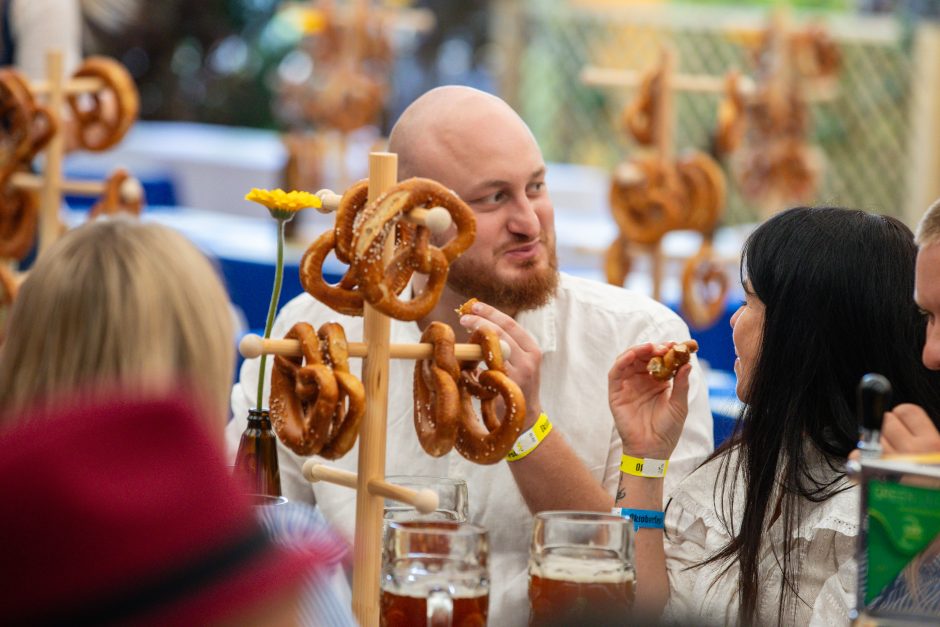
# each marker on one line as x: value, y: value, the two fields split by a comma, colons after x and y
x: 474, y: 278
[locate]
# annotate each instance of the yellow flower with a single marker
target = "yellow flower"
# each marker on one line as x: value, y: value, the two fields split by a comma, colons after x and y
x: 283, y: 205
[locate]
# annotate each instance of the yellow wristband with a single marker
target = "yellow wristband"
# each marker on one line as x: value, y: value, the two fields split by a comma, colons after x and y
x: 644, y: 467
x: 530, y: 440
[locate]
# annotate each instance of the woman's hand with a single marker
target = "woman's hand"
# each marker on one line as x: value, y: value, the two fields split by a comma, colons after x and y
x: 908, y: 429
x: 649, y: 414
x: 525, y: 356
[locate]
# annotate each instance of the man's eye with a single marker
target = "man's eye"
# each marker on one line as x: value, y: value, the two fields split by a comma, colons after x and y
x: 491, y: 199
x: 535, y: 188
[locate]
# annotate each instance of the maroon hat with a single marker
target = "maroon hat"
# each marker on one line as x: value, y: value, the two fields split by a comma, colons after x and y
x: 124, y: 511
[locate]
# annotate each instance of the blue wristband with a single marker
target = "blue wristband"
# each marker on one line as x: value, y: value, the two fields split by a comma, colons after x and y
x: 642, y: 518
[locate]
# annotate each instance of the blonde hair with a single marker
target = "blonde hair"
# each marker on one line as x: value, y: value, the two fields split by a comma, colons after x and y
x: 928, y: 231
x: 118, y: 303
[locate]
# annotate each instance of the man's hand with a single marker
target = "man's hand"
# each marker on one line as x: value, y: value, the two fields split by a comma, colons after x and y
x: 525, y: 358
x: 908, y: 429
x: 649, y: 414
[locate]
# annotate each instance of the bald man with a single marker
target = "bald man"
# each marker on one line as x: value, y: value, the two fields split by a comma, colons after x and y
x: 564, y: 334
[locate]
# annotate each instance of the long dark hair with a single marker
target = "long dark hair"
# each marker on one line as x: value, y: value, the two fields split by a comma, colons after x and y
x: 837, y: 286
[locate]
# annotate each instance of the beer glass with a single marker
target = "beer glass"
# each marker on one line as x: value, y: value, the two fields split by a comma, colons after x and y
x: 580, y: 568
x: 434, y: 573
x: 451, y: 494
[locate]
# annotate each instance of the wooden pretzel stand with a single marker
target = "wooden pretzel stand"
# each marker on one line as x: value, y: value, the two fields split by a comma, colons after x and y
x: 369, y: 483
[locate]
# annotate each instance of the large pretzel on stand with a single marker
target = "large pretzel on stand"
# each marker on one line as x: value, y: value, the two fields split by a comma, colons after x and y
x: 304, y: 394
x: 372, y: 229
x: 345, y: 297
x: 104, y: 117
x: 489, y: 441
x: 731, y: 119
x: 704, y: 184
x: 617, y: 262
x: 351, y: 404
x: 639, y: 117
x: 27, y: 127
x: 436, y: 395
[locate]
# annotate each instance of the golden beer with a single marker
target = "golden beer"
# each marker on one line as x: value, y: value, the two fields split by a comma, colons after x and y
x: 405, y: 611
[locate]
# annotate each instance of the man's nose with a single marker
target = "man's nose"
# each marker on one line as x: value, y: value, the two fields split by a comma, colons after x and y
x: 524, y: 219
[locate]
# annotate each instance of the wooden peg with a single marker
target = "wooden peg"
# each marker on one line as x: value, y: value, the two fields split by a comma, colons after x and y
x: 436, y: 219
x: 425, y: 501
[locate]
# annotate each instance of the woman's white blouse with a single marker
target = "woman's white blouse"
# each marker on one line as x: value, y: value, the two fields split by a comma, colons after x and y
x: 824, y: 541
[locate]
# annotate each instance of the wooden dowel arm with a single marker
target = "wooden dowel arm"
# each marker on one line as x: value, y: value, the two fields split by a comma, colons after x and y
x: 436, y: 219
x: 252, y: 346
x: 425, y: 501
x: 82, y: 85
x: 25, y: 180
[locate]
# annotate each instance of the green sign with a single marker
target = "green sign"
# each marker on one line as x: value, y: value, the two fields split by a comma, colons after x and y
x: 902, y: 521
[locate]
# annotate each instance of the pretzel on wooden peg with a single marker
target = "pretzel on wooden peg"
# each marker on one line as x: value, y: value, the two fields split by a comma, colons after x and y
x: 104, y: 117
x: 436, y: 219
x: 122, y: 193
x: 424, y: 500
x: 252, y: 346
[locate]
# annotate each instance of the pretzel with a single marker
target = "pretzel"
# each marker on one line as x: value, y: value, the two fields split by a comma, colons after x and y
x: 490, y: 441
x: 665, y: 367
x: 731, y: 118
x: 702, y: 305
x: 27, y: 125
x: 372, y: 228
x: 9, y: 286
x: 347, y: 99
x: 104, y: 117
x: 639, y: 117
x: 704, y: 184
x: 436, y: 395
x: 304, y: 395
x: 346, y: 418
x: 646, y: 201
x: 122, y: 193
x: 467, y: 308
x: 617, y: 262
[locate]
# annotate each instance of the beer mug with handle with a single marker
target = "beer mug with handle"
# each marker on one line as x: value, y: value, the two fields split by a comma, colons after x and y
x: 580, y: 568
x: 435, y: 573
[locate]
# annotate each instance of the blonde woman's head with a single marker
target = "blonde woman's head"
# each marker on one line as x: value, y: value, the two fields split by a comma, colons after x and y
x: 119, y: 303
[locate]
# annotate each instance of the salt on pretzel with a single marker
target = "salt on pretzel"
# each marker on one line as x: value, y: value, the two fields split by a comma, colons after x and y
x: 436, y: 395
x: 467, y: 308
x: 665, y: 367
x: 351, y: 404
x: 373, y: 227
x: 489, y: 441
x: 704, y: 288
x: 104, y: 117
x: 304, y: 394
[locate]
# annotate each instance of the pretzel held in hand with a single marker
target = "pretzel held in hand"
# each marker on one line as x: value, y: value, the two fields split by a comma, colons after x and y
x: 665, y: 367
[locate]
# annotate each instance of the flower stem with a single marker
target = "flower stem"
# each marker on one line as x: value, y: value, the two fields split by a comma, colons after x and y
x: 275, y: 297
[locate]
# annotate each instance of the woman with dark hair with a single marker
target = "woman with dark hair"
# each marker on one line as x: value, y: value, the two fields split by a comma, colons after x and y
x: 754, y: 533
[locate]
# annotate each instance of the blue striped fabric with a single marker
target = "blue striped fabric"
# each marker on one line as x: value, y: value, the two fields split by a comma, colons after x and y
x: 915, y: 594
x: 326, y: 601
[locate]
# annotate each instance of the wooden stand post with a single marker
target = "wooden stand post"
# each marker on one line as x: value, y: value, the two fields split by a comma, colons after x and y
x: 367, y: 549
x: 51, y: 195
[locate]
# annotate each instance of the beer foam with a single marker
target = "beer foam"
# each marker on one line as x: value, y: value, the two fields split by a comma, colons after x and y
x: 421, y: 590
x: 575, y: 570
